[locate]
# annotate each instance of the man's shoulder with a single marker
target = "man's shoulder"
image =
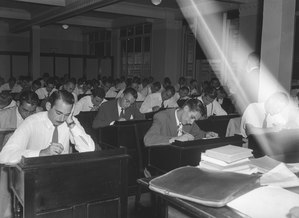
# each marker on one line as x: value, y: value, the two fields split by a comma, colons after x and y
x: 8, y: 110
x: 108, y: 104
x: 164, y: 114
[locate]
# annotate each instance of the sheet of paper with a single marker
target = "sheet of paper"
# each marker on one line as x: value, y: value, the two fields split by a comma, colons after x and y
x: 274, y: 202
x: 280, y: 176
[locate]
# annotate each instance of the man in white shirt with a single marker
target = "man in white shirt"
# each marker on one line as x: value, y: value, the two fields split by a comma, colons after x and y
x: 90, y: 102
x: 11, y: 118
x: 156, y: 101
x: 11, y: 86
x: 208, y: 98
x: 45, y: 92
x: 70, y: 86
x: 48, y: 133
x: 259, y: 118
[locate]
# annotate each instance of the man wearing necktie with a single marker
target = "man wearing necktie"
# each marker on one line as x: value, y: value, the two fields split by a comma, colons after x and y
x: 48, y: 133
x: 120, y: 109
x: 177, y: 124
x: 263, y: 117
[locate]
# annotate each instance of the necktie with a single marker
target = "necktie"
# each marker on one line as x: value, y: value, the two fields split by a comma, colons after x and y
x: 55, y: 135
x: 122, y: 113
x: 180, y: 129
x: 162, y: 105
x: 265, y: 121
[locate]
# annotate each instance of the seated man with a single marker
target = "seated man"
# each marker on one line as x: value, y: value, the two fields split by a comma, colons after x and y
x: 45, y: 92
x: 6, y: 100
x: 177, y: 124
x: 158, y: 100
x: 208, y: 98
x: 90, y: 102
x: 12, y: 117
x: 119, y: 109
x: 70, y: 86
x: 259, y: 118
x: 48, y: 133
x: 182, y: 96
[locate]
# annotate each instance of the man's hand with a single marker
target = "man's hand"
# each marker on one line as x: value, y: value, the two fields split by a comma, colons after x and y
x: 70, y: 117
x: 122, y: 119
x: 156, y: 108
x: 182, y: 138
x: 210, y: 135
x: 52, y: 149
x: 95, y: 108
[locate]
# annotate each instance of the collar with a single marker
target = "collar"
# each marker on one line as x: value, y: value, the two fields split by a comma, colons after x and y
x: 176, y: 117
x: 48, y: 122
x: 118, y: 107
x: 19, y: 117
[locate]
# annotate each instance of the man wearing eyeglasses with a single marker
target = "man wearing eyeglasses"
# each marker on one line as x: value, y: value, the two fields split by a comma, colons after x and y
x: 208, y: 98
x: 120, y: 109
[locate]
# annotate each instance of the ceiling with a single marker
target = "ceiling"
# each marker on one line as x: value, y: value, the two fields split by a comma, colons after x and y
x: 21, y: 15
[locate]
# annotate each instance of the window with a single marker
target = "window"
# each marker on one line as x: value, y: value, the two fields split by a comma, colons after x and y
x: 100, y: 43
x: 135, y: 50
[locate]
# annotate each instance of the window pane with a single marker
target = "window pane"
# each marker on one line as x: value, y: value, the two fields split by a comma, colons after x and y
x: 108, y: 35
x: 138, y: 44
x: 102, y: 35
x: 123, y: 45
x: 147, y: 28
x: 139, y: 29
x: 130, y: 31
x: 99, y: 49
x: 146, y: 44
x: 108, y: 48
x: 130, y: 45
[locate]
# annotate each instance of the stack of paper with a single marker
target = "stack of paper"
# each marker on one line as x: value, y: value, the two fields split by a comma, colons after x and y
x: 264, y: 164
x: 228, y: 158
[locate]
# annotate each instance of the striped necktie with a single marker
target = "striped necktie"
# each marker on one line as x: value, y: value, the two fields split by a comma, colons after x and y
x: 180, y: 129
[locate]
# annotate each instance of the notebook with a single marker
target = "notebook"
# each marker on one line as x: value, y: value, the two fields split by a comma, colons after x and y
x: 229, y: 153
x: 207, y: 187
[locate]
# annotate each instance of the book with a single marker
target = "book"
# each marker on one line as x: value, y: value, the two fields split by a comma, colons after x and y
x: 268, y: 201
x: 229, y: 153
x: 264, y: 164
x: 232, y: 167
x: 207, y: 187
x: 204, y: 157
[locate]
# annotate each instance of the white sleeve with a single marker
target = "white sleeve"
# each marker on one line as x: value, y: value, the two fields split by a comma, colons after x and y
x: 146, y: 106
x: 83, y: 142
x: 217, y: 109
x: 78, y: 107
x: 16, y: 146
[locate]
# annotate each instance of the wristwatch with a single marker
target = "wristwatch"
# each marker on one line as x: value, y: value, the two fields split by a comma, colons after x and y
x: 71, y: 124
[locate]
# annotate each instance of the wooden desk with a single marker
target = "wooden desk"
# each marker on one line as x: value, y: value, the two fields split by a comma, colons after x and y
x: 86, y: 119
x: 129, y: 134
x: 168, y: 157
x: 83, y: 185
x: 177, y: 208
x: 282, y: 146
x: 216, y: 124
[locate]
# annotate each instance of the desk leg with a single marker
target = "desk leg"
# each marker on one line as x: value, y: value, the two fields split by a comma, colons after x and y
x: 17, y: 207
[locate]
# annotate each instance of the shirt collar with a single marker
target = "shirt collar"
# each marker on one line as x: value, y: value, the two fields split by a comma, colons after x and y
x: 118, y: 107
x: 176, y: 117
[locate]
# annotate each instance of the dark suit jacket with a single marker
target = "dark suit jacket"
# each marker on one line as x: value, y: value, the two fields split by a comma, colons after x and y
x: 164, y: 127
x: 108, y: 112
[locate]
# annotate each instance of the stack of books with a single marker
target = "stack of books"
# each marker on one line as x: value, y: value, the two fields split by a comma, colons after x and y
x: 228, y: 158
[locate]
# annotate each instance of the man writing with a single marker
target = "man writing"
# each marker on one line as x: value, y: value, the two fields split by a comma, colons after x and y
x: 177, y: 124
x: 119, y: 109
x: 48, y: 133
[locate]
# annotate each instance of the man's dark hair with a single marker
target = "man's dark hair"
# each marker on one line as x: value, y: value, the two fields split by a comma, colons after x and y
x: 196, y: 105
x: 184, y: 88
x: 156, y: 86
x: 211, y: 92
x: 51, y: 80
x: 36, y: 82
x: 171, y: 89
x: 29, y: 97
x: 98, y: 92
x: 65, y: 96
x: 5, y: 98
x: 131, y: 91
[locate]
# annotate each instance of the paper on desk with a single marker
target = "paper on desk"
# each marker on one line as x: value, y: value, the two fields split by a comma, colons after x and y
x: 280, y: 176
x: 266, y: 202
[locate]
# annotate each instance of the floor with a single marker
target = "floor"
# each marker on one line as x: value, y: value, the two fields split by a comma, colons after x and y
x: 145, y: 211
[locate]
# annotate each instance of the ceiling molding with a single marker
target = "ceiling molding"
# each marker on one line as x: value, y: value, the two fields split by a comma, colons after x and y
x: 45, y: 2
x: 54, y: 15
x: 140, y: 10
x: 13, y: 13
x: 88, y: 21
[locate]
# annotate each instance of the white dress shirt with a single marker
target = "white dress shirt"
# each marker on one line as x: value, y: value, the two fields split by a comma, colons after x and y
x: 85, y: 104
x: 15, y: 89
x: 111, y: 93
x: 139, y: 96
x: 155, y: 99
x: 13, y: 103
x: 255, y: 114
x: 214, y: 108
x: 35, y: 134
x: 43, y: 93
